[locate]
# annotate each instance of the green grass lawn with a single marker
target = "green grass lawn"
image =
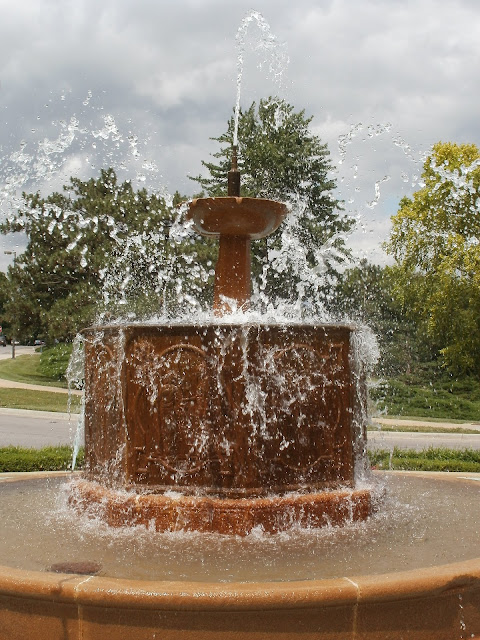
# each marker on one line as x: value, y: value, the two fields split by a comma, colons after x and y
x: 38, y: 400
x: 26, y: 368
x: 431, y: 459
x: 429, y: 393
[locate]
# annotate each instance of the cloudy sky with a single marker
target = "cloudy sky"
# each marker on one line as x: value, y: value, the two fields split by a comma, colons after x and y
x: 142, y: 85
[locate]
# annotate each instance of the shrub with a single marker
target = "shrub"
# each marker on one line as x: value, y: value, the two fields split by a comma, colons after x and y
x: 54, y: 361
x: 14, y: 459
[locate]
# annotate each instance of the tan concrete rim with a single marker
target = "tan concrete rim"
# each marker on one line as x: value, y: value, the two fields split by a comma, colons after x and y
x: 195, y: 596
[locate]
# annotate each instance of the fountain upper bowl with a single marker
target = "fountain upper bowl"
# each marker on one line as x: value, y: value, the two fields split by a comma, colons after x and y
x: 252, y: 218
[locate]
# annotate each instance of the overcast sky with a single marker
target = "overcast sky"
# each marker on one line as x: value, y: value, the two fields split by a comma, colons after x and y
x: 143, y: 84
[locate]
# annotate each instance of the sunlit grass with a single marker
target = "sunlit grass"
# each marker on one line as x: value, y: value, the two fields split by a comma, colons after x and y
x: 431, y: 459
x: 429, y: 393
x: 26, y: 369
x: 38, y: 400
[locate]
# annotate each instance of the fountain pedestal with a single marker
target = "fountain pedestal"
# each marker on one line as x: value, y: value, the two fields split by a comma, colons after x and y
x: 235, y: 222
x: 222, y: 427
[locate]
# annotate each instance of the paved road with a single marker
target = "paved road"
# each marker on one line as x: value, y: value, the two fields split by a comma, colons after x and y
x: 36, y: 428
x: 40, y: 428
x: 20, y: 350
x: 419, y: 441
x: 33, y: 428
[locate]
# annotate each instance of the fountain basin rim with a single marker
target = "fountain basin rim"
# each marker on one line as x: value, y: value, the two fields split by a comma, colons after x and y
x: 239, y: 596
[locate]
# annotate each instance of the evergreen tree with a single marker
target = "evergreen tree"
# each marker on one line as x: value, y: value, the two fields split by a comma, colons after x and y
x: 280, y: 158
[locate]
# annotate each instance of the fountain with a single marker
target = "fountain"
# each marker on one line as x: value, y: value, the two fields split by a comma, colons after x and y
x: 248, y: 424
x: 238, y: 436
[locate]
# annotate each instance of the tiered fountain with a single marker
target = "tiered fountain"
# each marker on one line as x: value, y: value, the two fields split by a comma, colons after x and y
x: 247, y: 424
x: 254, y: 430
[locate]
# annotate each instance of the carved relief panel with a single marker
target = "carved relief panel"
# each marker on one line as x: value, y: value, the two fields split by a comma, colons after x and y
x: 167, y: 411
x: 308, y: 425
x: 228, y: 410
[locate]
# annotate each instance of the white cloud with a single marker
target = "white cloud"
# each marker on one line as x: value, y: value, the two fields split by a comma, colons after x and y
x: 166, y: 72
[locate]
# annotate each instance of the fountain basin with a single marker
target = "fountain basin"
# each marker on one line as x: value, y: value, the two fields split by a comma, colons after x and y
x: 440, y: 602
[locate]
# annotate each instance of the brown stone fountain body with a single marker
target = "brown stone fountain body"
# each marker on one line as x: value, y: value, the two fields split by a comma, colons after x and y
x: 223, y: 427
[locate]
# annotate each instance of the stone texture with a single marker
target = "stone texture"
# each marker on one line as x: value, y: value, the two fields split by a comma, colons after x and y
x: 223, y: 412
x: 232, y: 411
x: 429, y: 604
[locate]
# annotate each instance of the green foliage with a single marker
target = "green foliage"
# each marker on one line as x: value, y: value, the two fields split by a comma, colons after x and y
x: 74, y: 237
x: 16, y: 459
x: 280, y: 158
x: 435, y: 242
x: 431, y: 459
x: 429, y: 392
x: 54, y: 361
x: 4, y: 293
x: 364, y: 294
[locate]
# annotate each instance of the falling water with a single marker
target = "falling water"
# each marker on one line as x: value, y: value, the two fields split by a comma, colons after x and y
x: 101, y: 141
x: 75, y: 379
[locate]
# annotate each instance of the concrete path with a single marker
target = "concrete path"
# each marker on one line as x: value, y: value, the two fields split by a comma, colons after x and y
x: 36, y: 428
x: 392, y: 422
x: 419, y: 441
x: 11, y: 384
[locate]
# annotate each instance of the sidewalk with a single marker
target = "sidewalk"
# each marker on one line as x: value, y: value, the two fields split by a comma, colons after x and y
x: 10, y: 384
x: 392, y: 422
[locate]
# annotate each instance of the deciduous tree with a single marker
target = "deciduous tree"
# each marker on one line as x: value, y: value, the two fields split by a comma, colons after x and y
x: 435, y: 241
x: 74, y: 238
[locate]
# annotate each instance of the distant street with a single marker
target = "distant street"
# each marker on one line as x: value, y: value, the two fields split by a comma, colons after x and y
x: 33, y: 428
x: 419, y: 441
x: 41, y: 428
x: 20, y: 350
x: 36, y: 428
